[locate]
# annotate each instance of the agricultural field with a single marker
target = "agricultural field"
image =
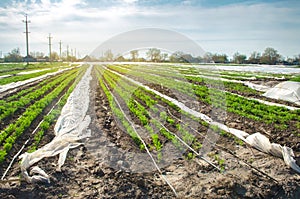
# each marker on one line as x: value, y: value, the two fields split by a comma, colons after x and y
x: 146, y: 130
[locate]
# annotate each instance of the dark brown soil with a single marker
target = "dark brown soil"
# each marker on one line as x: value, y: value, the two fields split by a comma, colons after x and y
x: 27, y: 134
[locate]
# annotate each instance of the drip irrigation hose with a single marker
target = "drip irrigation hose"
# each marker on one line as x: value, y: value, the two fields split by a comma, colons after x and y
x: 147, y: 150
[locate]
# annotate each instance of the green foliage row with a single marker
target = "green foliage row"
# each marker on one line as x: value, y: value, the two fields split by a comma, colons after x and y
x: 17, y: 78
x: 142, y: 114
x: 11, y: 69
x: 16, y: 129
x: 117, y: 112
x: 232, y: 103
x: 185, y: 134
x: 231, y: 86
x: 9, y: 108
x: 53, y: 115
x: 19, y: 94
x: 119, y: 69
x: 136, y: 108
x: 296, y: 78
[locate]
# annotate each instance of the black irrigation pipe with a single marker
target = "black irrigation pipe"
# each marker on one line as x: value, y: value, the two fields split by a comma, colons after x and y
x: 146, y: 148
x: 190, y: 148
x: 228, y: 151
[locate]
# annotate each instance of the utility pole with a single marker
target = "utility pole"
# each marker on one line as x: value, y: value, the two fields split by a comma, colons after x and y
x: 67, y: 52
x: 50, y: 46
x: 60, y: 50
x: 27, y: 45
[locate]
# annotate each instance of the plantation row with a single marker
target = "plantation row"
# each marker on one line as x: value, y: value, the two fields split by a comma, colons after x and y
x: 146, y: 110
x: 231, y: 75
x: 13, y: 69
x: 35, y: 101
x: 17, y: 78
x: 160, y: 122
x: 52, y: 116
x: 20, y: 101
x: 214, y: 95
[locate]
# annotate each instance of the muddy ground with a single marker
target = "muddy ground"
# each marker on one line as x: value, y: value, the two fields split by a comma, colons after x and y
x: 110, y: 165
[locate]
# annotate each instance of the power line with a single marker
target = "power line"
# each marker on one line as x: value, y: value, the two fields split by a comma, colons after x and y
x: 50, y: 46
x: 27, y: 45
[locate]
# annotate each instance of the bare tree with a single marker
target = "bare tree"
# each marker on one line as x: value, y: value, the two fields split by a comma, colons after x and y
x: 154, y: 54
x: 13, y: 56
x: 254, y: 58
x: 108, y: 55
x: 270, y: 56
x: 134, y: 55
x: 239, y: 58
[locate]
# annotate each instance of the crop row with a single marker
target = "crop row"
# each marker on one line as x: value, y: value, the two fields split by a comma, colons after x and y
x: 9, y: 135
x: 161, y: 124
x: 9, y: 108
x: 53, y: 115
x: 142, y: 106
x: 116, y: 109
x: 242, y: 106
x: 171, y: 128
x: 124, y: 90
x: 12, y: 69
x: 17, y: 95
x: 196, y: 70
x: 17, y: 78
x: 224, y: 85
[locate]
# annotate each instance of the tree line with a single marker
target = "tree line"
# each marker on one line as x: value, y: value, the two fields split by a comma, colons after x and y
x: 269, y: 56
x: 15, y: 56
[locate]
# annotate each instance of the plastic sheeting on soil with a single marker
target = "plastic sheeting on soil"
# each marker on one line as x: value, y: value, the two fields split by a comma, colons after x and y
x: 246, y: 83
x: 256, y: 140
x: 263, y: 144
x: 70, y: 129
x: 257, y: 86
x: 32, y: 71
x: 288, y: 91
x: 274, y: 69
x: 21, y: 83
x: 4, y: 76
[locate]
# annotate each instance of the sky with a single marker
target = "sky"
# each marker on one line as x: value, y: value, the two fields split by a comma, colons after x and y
x: 226, y: 26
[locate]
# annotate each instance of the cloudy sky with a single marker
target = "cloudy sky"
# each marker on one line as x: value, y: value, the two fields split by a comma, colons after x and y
x: 217, y: 26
